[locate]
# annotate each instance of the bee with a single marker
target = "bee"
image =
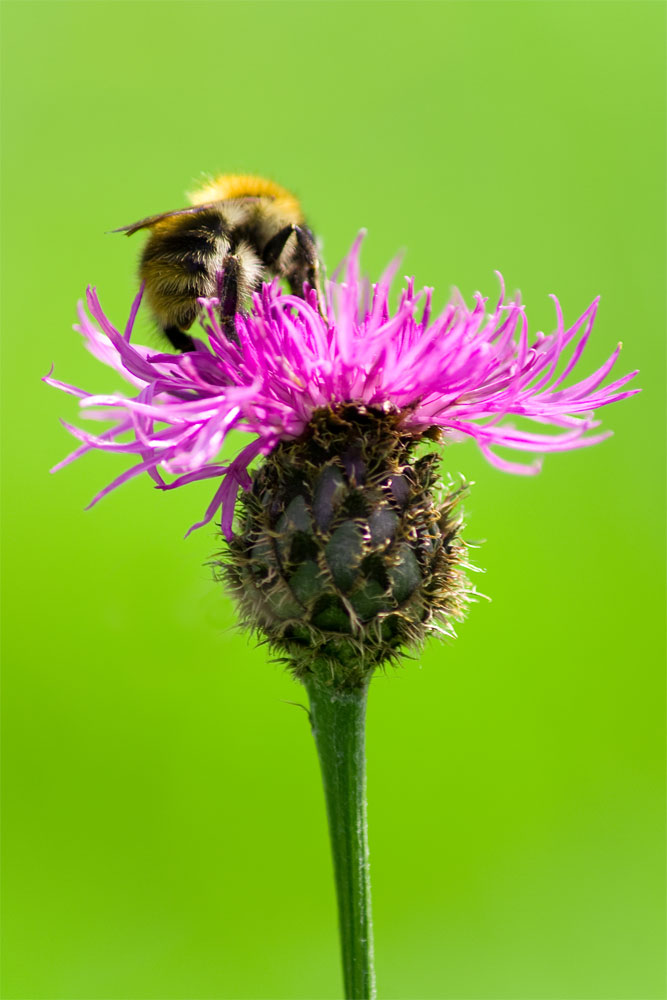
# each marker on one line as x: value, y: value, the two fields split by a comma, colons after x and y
x: 238, y: 230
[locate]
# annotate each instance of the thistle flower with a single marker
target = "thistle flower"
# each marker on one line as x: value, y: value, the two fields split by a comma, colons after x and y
x: 366, y: 561
x: 337, y: 394
x: 462, y: 373
x: 344, y: 552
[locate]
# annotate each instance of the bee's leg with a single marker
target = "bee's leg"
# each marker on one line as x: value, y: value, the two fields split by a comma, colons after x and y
x: 308, y: 251
x: 179, y: 341
x: 241, y: 274
x: 276, y: 245
x: 306, y: 264
x: 228, y: 294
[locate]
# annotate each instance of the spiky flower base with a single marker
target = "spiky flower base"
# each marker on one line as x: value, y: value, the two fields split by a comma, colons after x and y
x: 344, y: 556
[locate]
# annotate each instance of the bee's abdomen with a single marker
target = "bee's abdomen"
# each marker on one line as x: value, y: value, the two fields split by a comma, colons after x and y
x: 179, y: 264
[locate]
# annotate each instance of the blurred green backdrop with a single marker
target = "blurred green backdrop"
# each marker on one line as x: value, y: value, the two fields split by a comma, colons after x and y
x: 164, y: 828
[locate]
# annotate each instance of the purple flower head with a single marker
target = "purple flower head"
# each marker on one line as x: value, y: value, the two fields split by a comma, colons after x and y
x: 465, y: 372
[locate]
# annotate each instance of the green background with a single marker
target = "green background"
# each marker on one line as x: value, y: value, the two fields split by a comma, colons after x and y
x: 164, y: 828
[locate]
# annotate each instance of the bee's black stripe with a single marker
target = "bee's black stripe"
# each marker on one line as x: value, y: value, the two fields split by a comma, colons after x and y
x: 194, y: 264
x: 181, y: 245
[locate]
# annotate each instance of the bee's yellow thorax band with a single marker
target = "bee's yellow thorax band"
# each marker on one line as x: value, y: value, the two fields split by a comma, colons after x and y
x: 228, y: 186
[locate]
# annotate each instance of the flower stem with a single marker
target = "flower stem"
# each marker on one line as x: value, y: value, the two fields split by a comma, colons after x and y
x: 338, y: 722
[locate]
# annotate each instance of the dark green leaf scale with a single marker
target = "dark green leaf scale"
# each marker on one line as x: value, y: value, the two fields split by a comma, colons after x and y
x: 344, y: 555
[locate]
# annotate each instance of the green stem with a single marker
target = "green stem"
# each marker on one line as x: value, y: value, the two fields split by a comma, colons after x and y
x: 338, y: 720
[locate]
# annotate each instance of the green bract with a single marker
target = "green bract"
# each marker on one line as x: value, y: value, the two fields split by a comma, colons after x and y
x: 344, y: 554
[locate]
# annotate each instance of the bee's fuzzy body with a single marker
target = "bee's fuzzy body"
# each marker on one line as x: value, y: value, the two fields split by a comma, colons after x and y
x: 240, y: 229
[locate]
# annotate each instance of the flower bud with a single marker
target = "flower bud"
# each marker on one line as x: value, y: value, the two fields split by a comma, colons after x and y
x: 344, y: 556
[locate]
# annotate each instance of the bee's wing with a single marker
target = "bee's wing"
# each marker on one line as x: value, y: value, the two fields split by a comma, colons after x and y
x: 150, y: 220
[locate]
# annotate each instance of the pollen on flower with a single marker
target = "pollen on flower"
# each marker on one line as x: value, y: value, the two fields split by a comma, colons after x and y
x: 465, y: 373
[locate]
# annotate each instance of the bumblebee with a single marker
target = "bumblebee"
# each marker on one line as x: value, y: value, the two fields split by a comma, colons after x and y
x: 238, y: 230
